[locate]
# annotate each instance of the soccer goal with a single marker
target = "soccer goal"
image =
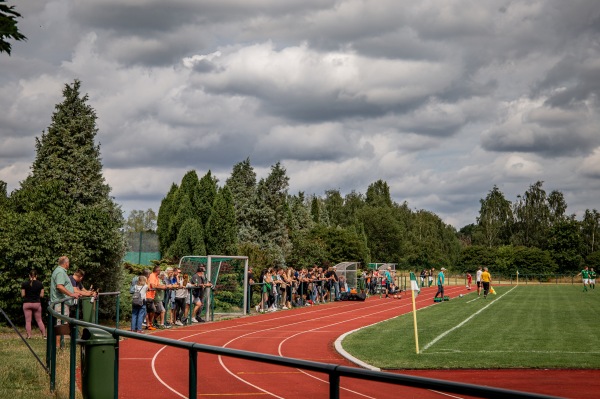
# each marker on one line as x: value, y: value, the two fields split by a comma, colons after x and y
x: 229, y: 277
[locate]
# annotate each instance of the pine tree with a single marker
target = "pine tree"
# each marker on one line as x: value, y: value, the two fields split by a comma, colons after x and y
x: 190, y: 240
x: 221, y: 229
x: 64, y: 206
x: 207, y: 192
x: 165, y: 213
x: 242, y: 184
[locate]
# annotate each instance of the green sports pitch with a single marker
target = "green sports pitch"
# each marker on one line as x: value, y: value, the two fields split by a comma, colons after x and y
x: 520, y: 327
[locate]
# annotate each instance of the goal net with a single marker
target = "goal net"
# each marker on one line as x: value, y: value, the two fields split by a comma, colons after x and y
x: 229, y: 277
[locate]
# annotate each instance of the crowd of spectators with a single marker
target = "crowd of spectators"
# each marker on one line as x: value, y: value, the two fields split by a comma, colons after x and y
x: 162, y: 299
x: 166, y: 298
x: 282, y: 289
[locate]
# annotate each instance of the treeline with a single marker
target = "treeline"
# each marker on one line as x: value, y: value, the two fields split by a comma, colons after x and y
x: 533, y: 235
x: 260, y: 219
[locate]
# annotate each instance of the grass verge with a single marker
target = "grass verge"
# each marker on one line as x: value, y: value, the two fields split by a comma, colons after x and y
x: 22, y: 377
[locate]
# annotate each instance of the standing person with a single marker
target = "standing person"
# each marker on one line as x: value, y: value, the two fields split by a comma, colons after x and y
x: 469, y: 280
x: 153, y: 283
x: 159, y: 300
x: 250, y: 284
x: 478, y: 280
x: 32, y: 292
x: 585, y: 275
x: 441, y: 278
x: 288, y: 277
x: 388, y: 280
x: 486, y: 280
x: 592, y: 279
x: 61, y: 288
x: 77, y: 282
x: 423, y: 275
x: 431, y: 273
x: 174, y: 284
x: 181, y: 297
x: 336, y: 283
x: 169, y: 301
x: 199, y: 281
x: 138, y: 306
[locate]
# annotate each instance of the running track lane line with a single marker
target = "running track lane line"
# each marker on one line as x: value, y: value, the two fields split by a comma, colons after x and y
x: 315, y: 329
x: 279, y: 348
x: 295, y: 315
x: 166, y: 385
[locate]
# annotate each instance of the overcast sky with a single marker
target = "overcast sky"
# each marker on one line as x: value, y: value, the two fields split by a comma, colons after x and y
x: 441, y: 99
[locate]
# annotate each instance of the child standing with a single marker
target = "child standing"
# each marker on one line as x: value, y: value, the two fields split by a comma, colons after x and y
x: 138, y: 310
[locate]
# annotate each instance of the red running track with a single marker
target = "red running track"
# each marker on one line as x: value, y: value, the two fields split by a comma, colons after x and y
x: 151, y: 371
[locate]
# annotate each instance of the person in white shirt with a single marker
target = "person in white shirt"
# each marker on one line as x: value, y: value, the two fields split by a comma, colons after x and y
x: 478, y: 280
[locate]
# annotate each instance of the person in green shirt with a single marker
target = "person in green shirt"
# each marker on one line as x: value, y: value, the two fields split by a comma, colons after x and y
x: 61, y: 288
x: 585, y: 275
x: 592, y: 279
x: 440, y: 283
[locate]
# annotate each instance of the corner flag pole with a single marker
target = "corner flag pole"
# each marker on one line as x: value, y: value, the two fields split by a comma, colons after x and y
x: 414, y: 287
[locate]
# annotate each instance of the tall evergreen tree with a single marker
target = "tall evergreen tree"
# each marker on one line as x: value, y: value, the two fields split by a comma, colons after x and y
x: 207, y: 192
x: 184, y: 212
x: 165, y: 213
x: 190, y: 187
x: 221, y: 228
x: 190, y: 240
x: 242, y: 184
x: 64, y: 206
x: 271, y: 213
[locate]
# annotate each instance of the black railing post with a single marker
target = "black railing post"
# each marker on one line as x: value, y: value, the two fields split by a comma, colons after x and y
x: 193, y: 373
x: 334, y: 385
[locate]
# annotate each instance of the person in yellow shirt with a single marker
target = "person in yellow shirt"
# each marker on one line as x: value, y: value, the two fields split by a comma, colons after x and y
x: 486, y: 280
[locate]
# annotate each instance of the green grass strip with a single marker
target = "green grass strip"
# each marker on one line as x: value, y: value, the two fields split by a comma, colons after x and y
x: 520, y: 327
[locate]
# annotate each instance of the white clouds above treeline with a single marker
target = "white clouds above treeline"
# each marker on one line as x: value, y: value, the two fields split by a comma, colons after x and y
x: 442, y: 100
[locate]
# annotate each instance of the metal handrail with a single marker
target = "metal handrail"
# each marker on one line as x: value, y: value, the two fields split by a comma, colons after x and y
x: 334, y: 371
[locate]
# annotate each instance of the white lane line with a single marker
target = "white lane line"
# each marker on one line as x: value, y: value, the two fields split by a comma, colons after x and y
x: 278, y: 319
x: 442, y: 335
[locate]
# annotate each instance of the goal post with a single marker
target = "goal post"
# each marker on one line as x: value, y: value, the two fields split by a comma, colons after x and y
x: 229, y: 277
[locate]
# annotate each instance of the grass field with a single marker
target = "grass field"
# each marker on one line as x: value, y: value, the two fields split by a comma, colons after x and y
x: 21, y: 376
x: 548, y: 326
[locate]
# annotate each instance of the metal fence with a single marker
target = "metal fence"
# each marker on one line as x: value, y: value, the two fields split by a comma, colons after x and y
x: 142, y: 247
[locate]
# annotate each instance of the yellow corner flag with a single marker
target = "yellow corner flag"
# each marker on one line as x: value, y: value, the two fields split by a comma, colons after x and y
x: 414, y: 287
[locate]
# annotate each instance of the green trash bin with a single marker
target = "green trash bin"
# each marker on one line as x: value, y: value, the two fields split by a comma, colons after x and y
x: 97, y: 364
x: 87, y: 309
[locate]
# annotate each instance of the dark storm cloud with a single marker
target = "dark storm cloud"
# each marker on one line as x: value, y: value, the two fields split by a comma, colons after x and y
x: 442, y: 99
